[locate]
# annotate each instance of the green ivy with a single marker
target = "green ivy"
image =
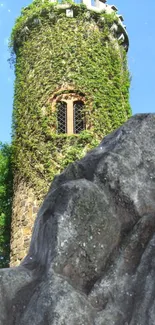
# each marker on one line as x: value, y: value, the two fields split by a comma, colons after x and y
x: 6, y: 192
x: 53, y: 51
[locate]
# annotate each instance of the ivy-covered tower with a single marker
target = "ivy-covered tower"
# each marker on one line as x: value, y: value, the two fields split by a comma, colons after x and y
x: 71, y: 89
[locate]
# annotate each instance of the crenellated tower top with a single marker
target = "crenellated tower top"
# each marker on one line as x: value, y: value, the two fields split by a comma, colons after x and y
x: 101, y: 6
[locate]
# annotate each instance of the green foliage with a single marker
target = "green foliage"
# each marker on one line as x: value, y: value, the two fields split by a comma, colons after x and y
x: 54, y: 52
x: 5, y: 203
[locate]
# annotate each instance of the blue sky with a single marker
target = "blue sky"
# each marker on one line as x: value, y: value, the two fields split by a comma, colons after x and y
x: 139, y: 19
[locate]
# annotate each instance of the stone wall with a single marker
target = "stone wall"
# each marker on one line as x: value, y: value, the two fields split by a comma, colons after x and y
x: 25, y: 207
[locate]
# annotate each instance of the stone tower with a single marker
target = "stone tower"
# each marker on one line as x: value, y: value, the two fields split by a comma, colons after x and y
x: 71, y: 89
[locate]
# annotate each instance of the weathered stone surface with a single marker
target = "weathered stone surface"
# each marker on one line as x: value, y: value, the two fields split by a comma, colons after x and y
x: 25, y: 206
x: 91, y: 259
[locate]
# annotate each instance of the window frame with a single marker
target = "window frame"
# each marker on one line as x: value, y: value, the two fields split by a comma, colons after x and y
x: 69, y: 97
x: 82, y: 121
x: 60, y: 118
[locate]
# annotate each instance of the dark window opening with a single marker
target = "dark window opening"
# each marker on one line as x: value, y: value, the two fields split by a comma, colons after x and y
x: 62, y: 116
x: 79, y: 120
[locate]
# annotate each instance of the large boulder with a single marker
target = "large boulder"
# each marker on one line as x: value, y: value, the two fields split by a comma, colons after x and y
x: 92, y: 254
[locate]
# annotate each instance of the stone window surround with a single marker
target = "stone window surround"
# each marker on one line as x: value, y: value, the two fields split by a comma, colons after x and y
x: 69, y: 97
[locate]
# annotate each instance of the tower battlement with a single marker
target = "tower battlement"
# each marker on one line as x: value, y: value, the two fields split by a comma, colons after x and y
x: 102, y: 6
x: 119, y: 29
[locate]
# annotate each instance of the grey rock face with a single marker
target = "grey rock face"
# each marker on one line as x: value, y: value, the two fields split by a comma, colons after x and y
x: 92, y: 254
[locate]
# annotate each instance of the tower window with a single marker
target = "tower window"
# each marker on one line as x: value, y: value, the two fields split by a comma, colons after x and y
x: 79, y: 123
x: 70, y: 112
x: 62, y: 116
